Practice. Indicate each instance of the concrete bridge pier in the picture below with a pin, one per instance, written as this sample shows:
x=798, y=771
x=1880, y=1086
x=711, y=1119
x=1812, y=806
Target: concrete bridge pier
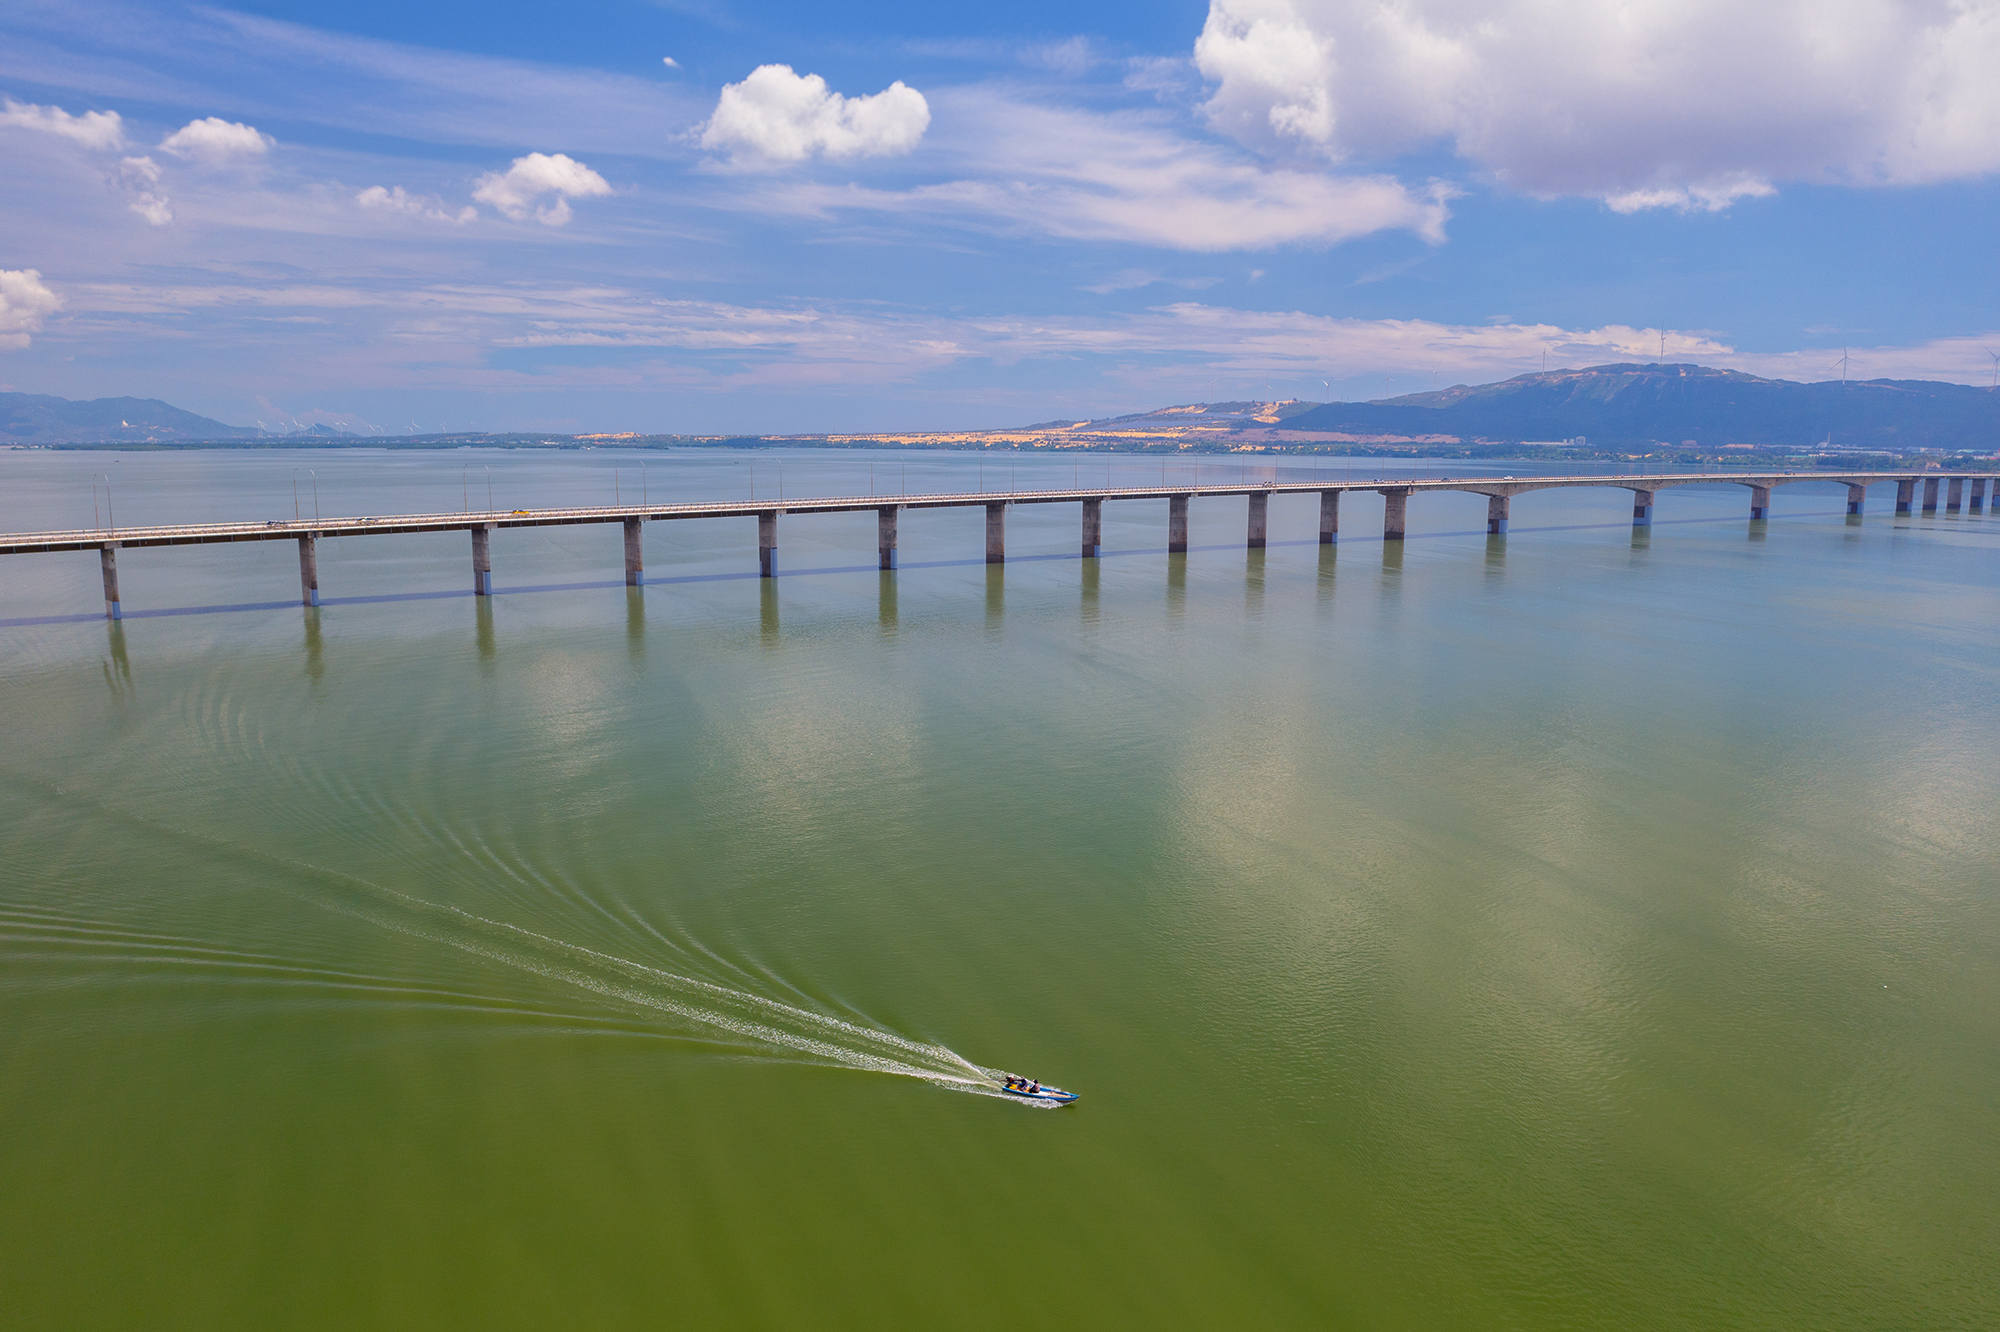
x=1329, y=517
x=996, y=532
x=1857, y=498
x=1260, y=516
x=885, y=535
x=1930, y=494
x=1978, y=499
x=1496, y=514
x=635, y=557
x=767, y=544
x=1642, y=508
x=1905, y=492
x=482, y=561
x=1954, y=499
x=1395, y=508
x=1760, y=503
x=1177, y=507
x=309, y=569
x=1093, y=528
x=107, y=559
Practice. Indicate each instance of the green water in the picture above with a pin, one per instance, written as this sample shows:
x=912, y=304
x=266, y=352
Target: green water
x=1576, y=930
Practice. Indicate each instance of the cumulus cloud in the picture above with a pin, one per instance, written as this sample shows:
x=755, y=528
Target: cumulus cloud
x=515, y=190
x=92, y=129
x=777, y=115
x=213, y=139
x=400, y=200
x=140, y=178
x=25, y=301
x=1643, y=103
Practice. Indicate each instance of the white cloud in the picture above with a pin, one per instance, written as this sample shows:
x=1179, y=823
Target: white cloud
x=514, y=192
x=1644, y=103
x=1128, y=176
x=1711, y=197
x=92, y=129
x=400, y=200
x=25, y=301
x=140, y=178
x=670, y=62
x=779, y=116
x=213, y=139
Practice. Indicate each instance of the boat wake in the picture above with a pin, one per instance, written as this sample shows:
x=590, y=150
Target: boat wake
x=687, y=1007
x=758, y=1025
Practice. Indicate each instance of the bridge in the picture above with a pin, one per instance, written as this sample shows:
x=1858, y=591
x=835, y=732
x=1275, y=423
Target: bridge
x=1499, y=492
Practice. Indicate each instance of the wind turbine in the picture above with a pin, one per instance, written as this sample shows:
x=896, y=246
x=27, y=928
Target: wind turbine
x=1996, y=366
x=1843, y=366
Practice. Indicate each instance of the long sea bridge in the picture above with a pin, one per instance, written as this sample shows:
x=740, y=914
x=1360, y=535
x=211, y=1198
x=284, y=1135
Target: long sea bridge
x=1499, y=492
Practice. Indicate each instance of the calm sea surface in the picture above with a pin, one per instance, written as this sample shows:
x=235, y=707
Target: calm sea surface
x=1576, y=930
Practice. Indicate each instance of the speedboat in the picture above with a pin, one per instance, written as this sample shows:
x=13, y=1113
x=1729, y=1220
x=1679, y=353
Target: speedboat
x=1027, y=1089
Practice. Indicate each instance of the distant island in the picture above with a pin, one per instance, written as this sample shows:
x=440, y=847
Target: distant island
x=1679, y=413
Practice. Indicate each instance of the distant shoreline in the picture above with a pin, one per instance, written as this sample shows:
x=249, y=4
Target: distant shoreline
x=1263, y=444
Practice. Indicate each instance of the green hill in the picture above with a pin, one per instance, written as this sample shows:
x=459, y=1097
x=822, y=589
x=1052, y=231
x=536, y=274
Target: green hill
x=1620, y=405
x=36, y=418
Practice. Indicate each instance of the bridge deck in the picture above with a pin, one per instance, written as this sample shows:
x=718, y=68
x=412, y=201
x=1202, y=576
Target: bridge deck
x=203, y=533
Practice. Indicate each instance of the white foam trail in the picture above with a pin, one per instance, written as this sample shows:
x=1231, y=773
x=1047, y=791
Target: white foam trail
x=765, y=1024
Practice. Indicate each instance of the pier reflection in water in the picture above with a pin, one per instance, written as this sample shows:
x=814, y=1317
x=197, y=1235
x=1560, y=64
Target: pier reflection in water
x=885, y=602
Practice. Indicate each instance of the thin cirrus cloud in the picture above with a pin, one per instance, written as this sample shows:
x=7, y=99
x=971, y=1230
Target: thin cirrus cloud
x=517, y=191
x=1640, y=103
x=25, y=302
x=247, y=67
x=777, y=115
x=92, y=129
x=713, y=346
x=1133, y=279
x=1131, y=176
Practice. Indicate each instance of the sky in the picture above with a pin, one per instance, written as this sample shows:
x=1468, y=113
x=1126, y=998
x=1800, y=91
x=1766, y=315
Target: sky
x=722, y=216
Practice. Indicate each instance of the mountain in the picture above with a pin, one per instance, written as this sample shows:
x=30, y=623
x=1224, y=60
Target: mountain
x=35, y=418
x=1615, y=405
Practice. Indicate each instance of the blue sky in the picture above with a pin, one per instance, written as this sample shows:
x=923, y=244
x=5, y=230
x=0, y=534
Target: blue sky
x=902, y=216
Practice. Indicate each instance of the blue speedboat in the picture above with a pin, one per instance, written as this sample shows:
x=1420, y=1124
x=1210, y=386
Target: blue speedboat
x=1028, y=1089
